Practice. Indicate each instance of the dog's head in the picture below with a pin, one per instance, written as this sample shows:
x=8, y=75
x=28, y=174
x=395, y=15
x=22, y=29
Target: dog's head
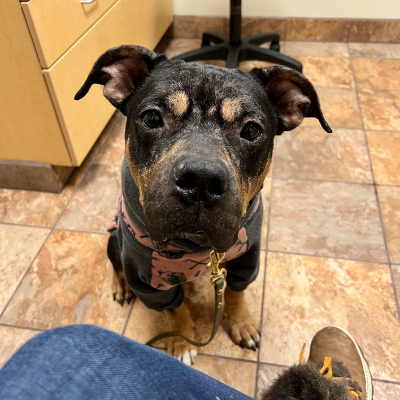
x=199, y=138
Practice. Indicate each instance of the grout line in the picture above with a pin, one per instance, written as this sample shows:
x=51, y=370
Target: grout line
x=386, y=381
x=26, y=272
x=288, y=178
x=376, y=194
x=25, y=225
x=330, y=257
x=265, y=276
x=56, y=221
x=22, y=327
x=108, y=164
x=86, y=172
x=227, y=358
x=275, y=364
x=81, y=231
x=128, y=316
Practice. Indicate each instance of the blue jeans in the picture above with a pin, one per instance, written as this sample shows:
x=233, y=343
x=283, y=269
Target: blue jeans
x=86, y=362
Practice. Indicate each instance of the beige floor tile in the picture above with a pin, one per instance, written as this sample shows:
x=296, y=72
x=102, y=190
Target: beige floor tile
x=69, y=283
x=237, y=374
x=331, y=219
x=386, y=391
x=11, y=339
x=384, y=148
x=377, y=74
x=316, y=49
x=340, y=108
x=328, y=72
x=396, y=278
x=113, y=150
x=376, y=51
x=143, y=323
x=18, y=248
x=94, y=202
x=103, y=136
x=310, y=152
x=380, y=109
x=266, y=193
x=266, y=375
x=37, y=208
x=304, y=294
x=389, y=200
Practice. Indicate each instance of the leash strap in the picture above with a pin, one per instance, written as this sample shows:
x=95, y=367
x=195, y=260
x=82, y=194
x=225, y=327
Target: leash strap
x=218, y=280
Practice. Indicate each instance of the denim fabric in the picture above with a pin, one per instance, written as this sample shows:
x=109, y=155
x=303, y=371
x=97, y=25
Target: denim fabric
x=86, y=362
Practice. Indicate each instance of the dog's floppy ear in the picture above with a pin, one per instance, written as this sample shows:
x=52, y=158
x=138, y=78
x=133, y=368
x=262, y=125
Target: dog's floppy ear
x=120, y=69
x=292, y=94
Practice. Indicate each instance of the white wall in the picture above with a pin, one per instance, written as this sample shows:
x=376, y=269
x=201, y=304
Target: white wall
x=374, y=9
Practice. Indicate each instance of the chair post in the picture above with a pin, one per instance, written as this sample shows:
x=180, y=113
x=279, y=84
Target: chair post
x=235, y=19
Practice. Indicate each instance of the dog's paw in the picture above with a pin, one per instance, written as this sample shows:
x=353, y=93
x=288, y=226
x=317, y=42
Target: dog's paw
x=244, y=331
x=182, y=351
x=122, y=292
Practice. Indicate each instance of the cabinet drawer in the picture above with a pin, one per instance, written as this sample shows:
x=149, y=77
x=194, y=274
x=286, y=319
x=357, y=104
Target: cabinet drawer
x=56, y=25
x=127, y=22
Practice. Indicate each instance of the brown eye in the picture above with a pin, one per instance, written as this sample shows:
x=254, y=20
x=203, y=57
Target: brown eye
x=152, y=119
x=251, y=131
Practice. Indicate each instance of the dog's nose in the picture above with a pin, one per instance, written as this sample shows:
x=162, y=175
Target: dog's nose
x=200, y=180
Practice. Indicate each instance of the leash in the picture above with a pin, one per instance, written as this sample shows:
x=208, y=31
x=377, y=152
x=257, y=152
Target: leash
x=217, y=279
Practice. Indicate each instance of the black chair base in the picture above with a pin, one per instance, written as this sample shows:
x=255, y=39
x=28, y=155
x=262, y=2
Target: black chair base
x=247, y=49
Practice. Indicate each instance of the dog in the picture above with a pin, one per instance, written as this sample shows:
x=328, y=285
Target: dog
x=198, y=146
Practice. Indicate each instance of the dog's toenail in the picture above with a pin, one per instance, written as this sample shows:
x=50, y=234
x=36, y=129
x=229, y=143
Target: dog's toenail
x=241, y=344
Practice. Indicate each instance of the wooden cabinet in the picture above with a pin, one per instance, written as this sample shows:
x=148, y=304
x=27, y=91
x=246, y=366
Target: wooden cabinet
x=46, y=51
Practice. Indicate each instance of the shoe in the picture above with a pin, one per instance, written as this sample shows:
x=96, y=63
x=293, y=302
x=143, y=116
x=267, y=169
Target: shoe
x=338, y=344
x=335, y=370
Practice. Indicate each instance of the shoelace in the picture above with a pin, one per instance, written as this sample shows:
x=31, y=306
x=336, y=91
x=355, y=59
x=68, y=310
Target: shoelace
x=326, y=372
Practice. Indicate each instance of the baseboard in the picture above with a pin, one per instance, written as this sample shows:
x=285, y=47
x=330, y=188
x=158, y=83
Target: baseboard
x=294, y=29
x=33, y=176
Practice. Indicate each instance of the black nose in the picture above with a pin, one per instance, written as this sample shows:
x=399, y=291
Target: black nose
x=200, y=180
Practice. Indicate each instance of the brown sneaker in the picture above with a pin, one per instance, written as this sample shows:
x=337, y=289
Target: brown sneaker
x=335, y=370
x=338, y=344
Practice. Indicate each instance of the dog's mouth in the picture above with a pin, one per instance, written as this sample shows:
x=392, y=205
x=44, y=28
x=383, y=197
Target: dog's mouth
x=191, y=232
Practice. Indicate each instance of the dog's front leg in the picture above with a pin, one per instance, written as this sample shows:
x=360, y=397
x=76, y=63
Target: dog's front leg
x=179, y=320
x=244, y=330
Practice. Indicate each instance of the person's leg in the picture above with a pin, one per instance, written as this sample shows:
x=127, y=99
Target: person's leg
x=87, y=362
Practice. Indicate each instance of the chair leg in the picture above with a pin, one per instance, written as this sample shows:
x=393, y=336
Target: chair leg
x=217, y=52
x=262, y=38
x=213, y=37
x=233, y=58
x=257, y=53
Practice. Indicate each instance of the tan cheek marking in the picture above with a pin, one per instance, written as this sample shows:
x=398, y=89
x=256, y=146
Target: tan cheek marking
x=150, y=175
x=134, y=171
x=144, y=177
x=178, y=102
x=248, y=188
x=230, y=109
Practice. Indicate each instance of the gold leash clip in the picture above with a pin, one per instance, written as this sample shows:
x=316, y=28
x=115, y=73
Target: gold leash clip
x=216, y=258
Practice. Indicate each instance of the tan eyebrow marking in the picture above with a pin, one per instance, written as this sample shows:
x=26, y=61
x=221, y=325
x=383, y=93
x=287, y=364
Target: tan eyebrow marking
x=230, y=109
x=178, y=102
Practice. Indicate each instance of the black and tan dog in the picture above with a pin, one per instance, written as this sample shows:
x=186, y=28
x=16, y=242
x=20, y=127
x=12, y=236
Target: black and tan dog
x=199, y=142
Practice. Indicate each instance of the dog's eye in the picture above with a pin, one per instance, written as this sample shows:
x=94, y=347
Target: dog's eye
x=152, y=119
x=251, y=131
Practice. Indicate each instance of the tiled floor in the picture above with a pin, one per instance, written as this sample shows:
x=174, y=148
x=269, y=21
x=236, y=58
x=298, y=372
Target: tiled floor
x=331, y=234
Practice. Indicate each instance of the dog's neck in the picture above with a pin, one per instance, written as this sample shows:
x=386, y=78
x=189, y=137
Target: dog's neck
x=134, y=209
